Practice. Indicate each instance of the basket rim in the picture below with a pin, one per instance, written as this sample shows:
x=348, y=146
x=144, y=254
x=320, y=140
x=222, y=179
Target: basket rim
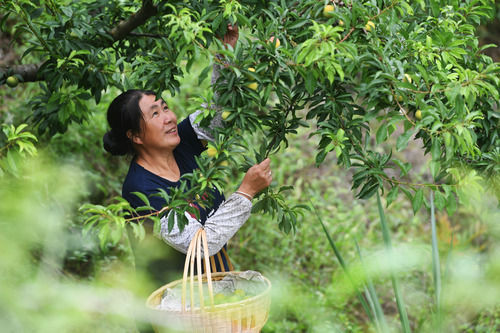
x=151, y=305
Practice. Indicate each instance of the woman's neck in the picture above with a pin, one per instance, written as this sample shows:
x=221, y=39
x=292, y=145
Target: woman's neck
x=163, y=165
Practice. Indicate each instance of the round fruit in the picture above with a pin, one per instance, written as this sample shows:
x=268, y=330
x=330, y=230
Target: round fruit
x=224, y=163
x=253, y=85
x=418, y=114
x=277, y=43
x=211, y=151
x=12, y=81
x=328, y=10
x=225, y=114
x=239, y=292
x=407, y=78
x=369, y=26
x=341, y=23
x=219, y=299
x=233, y=299
x=400, y=98
x=251, y=69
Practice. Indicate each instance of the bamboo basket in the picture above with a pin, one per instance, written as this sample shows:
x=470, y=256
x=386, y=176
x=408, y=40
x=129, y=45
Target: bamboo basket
x=247, y=315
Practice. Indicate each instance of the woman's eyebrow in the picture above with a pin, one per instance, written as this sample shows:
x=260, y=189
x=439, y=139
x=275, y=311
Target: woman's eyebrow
x=155, y=106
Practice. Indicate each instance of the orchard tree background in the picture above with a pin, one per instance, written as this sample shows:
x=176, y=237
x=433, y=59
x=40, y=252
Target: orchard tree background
x=401, y=94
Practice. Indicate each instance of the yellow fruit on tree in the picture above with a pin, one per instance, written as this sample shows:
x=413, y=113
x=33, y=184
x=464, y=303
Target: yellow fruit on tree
x=369, y=26
x=251, y=69
x=407, y=78
x=277, y=43
x=418, y=114
x=400, y=98
x=211, y=151
x=328, y=10
x=225, y=114
x=253, y=85
x=341, y=23
x=224, y=163
x=12, y=81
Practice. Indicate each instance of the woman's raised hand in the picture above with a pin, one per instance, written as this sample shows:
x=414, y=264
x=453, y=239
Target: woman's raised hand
x=257, y=178
x=232, y=35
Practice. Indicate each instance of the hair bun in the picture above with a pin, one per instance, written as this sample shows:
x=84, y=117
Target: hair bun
x=114, y=146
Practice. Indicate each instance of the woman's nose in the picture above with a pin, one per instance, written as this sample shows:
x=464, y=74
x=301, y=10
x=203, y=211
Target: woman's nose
x=169, y=117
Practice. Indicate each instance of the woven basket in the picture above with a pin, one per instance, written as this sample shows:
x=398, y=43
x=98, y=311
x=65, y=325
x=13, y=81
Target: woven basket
x=248, y=315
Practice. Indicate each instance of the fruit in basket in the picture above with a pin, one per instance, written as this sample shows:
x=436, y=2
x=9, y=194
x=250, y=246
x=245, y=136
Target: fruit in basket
x=240, y=293
x=220, y=298
x=233, y=299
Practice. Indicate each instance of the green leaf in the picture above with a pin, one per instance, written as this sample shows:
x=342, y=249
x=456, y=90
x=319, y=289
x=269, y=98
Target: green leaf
x=392, y=195
x=440, y=200
x=381, y=133
x=435, y=167
x=451, y=203
x=310, y=82
x=403, y=139
x=436, y=149
x=417, y=201
x=143, y=197
x=171, y=221
x=320, y=157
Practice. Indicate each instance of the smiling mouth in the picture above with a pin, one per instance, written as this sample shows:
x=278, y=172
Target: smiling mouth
x=173, y=130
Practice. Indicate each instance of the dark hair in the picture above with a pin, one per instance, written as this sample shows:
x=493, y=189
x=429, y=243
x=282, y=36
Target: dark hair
x=124, y=114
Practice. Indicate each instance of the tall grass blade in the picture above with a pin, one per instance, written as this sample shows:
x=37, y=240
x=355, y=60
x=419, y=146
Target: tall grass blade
x=436, y=270
x=405, y=324
x=344, y=266
x=372, y=297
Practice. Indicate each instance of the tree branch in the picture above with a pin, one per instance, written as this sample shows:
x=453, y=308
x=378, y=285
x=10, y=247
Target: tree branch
x=29, y=72
x=126, y=26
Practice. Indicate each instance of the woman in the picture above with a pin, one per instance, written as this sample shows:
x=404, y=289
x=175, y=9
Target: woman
x=143, y=125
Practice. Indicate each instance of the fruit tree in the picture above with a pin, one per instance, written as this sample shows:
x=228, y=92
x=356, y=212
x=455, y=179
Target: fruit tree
x=358, y=73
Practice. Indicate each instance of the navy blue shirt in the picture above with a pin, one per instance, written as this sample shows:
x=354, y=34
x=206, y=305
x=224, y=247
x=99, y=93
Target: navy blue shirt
x=141, y=180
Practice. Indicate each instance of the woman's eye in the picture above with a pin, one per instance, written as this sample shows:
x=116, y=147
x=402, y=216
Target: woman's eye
x=165, y=109
x=155, y=113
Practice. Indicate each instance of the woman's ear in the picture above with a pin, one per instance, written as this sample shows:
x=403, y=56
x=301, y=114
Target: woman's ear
x=134, y=137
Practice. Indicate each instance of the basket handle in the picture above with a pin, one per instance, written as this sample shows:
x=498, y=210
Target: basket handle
x=194, y=251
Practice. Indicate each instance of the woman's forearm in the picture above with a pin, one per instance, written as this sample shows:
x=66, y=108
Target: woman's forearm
x=206, y=133
x=220, y=227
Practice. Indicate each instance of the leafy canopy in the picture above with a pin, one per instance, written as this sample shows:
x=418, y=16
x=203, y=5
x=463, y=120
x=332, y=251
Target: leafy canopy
x=415, y=72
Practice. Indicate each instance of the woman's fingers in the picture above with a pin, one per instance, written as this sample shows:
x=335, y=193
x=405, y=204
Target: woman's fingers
x=266, y=167
x=265, y=163
x=257, y=178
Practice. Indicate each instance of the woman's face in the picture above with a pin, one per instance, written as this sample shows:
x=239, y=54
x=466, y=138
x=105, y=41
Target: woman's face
x=159, y=130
